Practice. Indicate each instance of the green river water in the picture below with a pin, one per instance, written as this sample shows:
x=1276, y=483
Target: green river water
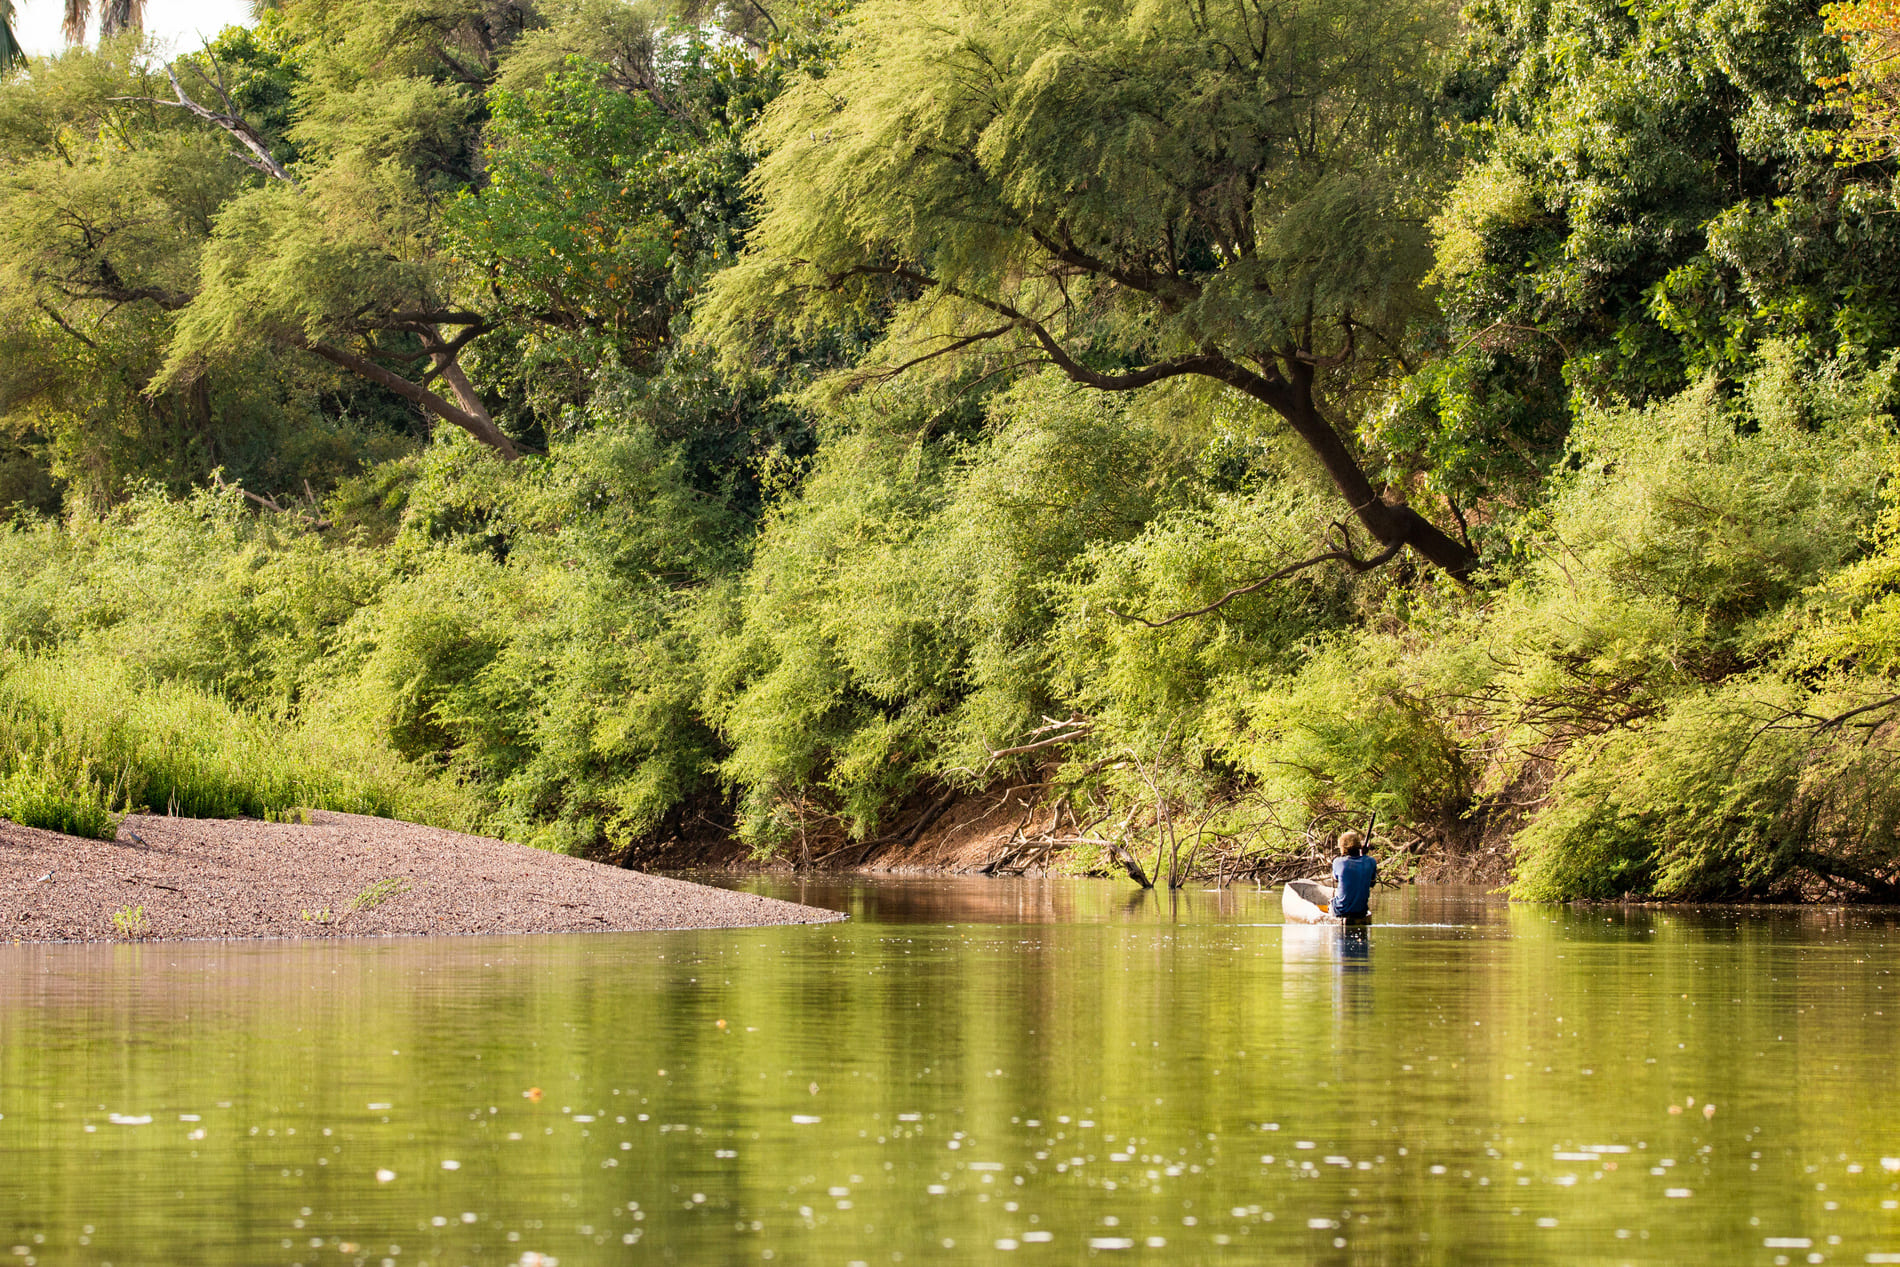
x=970, y=1071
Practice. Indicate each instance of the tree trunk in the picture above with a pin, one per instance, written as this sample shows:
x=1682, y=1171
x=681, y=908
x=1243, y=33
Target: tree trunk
x=1389, y=523
x=200, y=396
x=465, y=394
x=479, y=425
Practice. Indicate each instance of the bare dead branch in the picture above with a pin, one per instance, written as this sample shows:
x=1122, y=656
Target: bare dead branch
x=260, y=157
x=274, y=506
x=1040, y=744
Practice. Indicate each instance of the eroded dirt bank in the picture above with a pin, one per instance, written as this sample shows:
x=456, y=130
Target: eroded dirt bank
x=339, y=875
x=1010, y=831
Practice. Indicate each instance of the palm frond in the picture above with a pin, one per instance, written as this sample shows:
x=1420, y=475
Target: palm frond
x=116, y=16
x=11, y=54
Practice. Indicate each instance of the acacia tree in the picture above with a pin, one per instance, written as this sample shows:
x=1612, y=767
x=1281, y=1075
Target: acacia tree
x=340, y=258
x=418, y=192
x=104, y=204
x=462, y=173
x=1131, y=192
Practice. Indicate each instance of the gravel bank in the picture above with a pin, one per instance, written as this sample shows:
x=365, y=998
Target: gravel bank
x=341, y=875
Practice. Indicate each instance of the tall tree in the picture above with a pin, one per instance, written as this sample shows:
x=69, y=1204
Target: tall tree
x=105, y=204
x=1131, y=192
x=339, y=258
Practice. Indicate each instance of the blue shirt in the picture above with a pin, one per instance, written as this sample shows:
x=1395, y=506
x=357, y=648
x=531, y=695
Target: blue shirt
x=1352, y=884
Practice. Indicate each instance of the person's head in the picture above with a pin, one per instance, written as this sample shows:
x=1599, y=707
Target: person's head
x=1351, y=843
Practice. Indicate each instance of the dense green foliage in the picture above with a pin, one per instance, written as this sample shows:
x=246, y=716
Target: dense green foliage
x=1132, y=194
x=1226, y=426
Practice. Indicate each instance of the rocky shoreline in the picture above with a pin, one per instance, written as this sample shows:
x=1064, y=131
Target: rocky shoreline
x=337, y=875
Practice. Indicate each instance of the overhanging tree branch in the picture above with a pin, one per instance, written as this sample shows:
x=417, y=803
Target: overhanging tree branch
x=1287, y=388
x=1198, y=363
x=444, y=318
x=1343, y=554
x=955, y=345
x=479, y=426
x=1139, y=165
x=468, y=413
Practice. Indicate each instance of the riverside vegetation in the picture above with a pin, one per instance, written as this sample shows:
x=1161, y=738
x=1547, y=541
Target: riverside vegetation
x=594, y=422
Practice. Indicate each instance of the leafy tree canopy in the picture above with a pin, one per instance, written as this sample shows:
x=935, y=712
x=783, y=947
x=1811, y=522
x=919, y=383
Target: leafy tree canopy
x=1653, y=200
x=105, y=203
x=1131, y=192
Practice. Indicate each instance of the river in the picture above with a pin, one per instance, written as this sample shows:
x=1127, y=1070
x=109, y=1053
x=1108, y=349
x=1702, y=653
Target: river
x=966, y=1071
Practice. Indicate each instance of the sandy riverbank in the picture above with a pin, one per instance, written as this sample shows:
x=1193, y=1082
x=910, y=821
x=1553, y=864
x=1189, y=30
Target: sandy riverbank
x=340, y=875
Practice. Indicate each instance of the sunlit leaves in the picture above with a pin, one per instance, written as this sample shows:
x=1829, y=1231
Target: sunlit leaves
x=567, y=233
x=1870, y=89
x=1151, y=178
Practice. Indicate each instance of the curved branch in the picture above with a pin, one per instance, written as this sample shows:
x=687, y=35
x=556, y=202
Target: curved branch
x=1286, y=386
x=1203, y=363
x=1818, y=723
x=482, y=429
x=956, y=345
x=62, y=323
x=1345, y=556
x=1506, y=325
x=1170, y=292
x=445, y=318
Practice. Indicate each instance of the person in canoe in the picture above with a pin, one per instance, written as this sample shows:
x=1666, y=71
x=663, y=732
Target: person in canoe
x=1353, y=874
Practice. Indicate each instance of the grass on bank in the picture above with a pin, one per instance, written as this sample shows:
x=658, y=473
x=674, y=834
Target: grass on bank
x=84, y=740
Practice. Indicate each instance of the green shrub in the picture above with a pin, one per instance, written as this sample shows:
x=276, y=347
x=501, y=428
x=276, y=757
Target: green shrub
x=1733, y=793
x=894, y=622
x=1355, y=729
x=36, y=793
x=489, y=645
x=74, y=721
x=1664, y=622
x=579, y=649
